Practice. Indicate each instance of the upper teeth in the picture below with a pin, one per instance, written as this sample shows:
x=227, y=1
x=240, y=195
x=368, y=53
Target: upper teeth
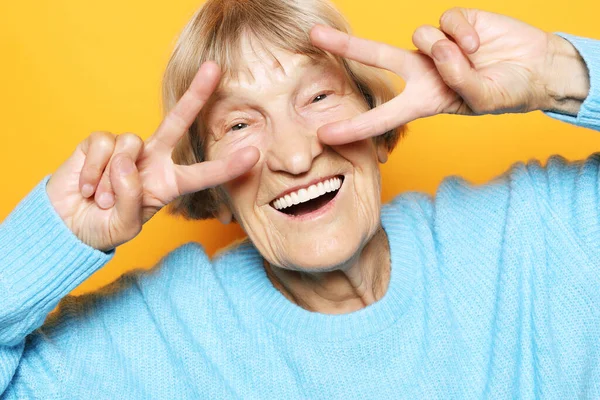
x=312, y=192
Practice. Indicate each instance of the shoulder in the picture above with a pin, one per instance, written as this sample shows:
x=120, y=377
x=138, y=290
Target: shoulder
x=186, y=264
x=462, y=204
x=189, y=266
x=412, y=205
x=189, y=257
x=524, y=192
x=177, y=265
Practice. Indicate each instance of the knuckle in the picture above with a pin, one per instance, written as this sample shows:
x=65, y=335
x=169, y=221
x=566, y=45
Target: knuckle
x=447, y=16
x=416, y=35
x=422, y=33
x=389, y=55
x=91, y=140
x=444, y=18
x=101, y=134
x=347, y=44
x=418, y=32
x=130, y=139
x=422, y=29
x=104, y=143
x=363, y=130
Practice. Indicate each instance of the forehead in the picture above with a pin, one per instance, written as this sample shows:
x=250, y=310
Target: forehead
x=258, y=63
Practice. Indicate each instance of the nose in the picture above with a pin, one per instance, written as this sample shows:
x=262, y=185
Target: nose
x=293, y=146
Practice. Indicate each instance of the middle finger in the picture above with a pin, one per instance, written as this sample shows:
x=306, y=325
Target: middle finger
x=376, y=54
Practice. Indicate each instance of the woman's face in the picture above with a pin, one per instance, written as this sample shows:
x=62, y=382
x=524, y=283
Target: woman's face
x=277, y=106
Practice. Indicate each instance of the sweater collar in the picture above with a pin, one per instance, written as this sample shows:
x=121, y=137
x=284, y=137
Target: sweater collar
x=259, y=296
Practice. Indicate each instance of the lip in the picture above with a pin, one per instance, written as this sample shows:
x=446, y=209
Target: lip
x=317, y=213
x=305, y=186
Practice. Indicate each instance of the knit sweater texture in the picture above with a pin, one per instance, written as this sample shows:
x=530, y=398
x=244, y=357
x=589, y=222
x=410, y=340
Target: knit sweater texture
x=494, y=293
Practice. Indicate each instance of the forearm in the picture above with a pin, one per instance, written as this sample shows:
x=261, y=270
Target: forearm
x=41, y=261
x=568, y=80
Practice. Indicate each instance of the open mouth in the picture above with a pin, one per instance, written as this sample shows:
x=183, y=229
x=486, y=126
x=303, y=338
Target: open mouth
x=305, y=201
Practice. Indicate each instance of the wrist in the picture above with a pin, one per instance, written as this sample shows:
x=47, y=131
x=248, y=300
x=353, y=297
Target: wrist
x=567, y=81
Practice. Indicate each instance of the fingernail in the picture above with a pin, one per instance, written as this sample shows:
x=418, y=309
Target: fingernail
x=106, y=200
x=125, y=166
x=441, y=53
x=87, y=190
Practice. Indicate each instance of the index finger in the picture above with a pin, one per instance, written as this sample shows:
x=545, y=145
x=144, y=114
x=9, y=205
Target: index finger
x=375, y=54
x=203, y=175
x=377, y=121
x=183, y=114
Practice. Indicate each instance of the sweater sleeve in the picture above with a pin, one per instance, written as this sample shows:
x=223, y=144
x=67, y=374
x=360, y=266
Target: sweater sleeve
x=589, y=113
x=41, y=261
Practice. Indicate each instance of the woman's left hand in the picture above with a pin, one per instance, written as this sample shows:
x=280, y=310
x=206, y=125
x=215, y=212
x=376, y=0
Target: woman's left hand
x=475, y=63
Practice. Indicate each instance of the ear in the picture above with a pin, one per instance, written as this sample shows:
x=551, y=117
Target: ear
x=224, y=214
x=382, y=153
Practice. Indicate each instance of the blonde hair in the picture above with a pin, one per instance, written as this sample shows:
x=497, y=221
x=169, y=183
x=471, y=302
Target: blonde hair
x=215, y=32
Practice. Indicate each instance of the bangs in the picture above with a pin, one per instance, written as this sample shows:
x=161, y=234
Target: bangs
x=264, y=29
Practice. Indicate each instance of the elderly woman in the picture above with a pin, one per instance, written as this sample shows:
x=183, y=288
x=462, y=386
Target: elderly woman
x=280, y=122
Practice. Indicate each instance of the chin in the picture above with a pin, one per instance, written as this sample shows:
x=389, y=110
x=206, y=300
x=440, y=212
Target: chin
x=322, y=253
x=325, y=233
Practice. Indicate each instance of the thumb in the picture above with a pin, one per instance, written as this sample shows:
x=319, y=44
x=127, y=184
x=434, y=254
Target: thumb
x=127, y=185
x=456, y=71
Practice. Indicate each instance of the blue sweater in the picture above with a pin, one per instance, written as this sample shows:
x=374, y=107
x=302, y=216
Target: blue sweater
x=494, y=293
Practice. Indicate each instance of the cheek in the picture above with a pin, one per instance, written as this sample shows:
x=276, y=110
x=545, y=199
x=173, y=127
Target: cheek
x=366, y=176
x=229, y=145
x=361, y=154
x=243, y=194
x=242, y=190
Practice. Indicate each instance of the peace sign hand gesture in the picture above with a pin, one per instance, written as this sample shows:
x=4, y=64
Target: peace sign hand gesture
x=132, y=179
x=475, y=63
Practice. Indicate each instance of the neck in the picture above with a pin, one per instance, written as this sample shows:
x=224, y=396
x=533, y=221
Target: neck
x=361, y=281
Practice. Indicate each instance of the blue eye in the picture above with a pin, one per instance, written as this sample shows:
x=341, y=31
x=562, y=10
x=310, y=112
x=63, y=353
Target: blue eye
x=239, y=126
x=319, y=98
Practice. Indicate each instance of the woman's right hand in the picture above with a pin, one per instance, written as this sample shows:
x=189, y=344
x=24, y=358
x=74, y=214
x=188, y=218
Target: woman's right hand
x=111, y=185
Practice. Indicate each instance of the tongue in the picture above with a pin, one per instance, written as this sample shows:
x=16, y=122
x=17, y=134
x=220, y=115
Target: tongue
x=310, y=206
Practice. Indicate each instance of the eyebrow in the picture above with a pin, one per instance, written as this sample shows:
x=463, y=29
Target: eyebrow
x=220, y=93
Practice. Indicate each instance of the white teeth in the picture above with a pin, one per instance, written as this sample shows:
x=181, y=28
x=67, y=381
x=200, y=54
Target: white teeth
x=295, y=198
x=304, y=195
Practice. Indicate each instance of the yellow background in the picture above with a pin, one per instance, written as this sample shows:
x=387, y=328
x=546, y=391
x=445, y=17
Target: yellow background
x=70, y=67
